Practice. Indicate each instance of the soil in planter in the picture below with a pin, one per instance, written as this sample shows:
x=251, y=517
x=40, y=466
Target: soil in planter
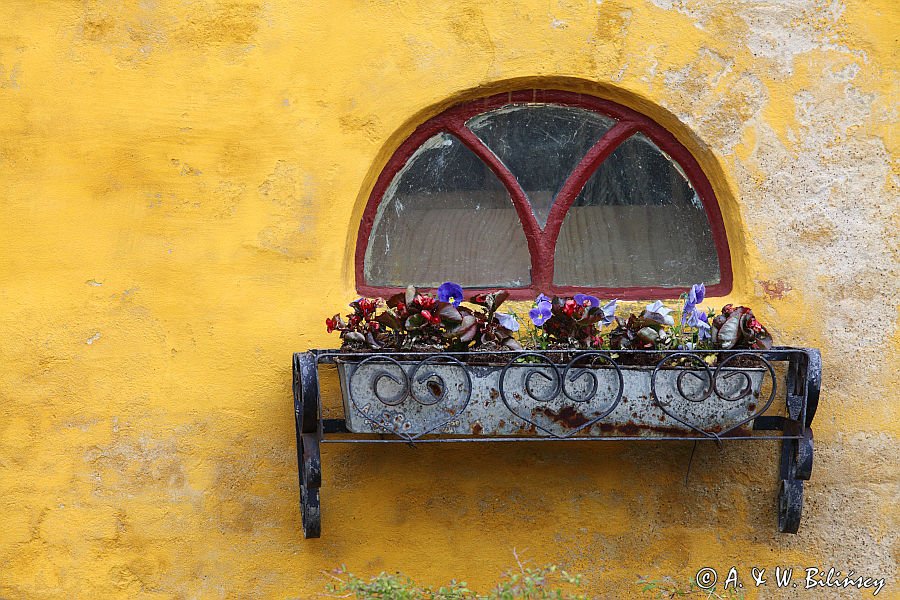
x=496, y=354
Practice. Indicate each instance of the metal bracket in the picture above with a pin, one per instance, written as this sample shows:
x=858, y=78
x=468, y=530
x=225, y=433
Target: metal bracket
x=803, y=382
x=307, y=417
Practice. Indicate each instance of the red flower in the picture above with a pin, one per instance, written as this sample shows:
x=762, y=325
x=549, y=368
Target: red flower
x=331, y=324
x=569, y=307
x=433, y=319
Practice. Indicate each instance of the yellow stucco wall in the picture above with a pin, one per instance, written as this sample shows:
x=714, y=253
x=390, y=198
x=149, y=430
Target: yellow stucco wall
x=181, y=187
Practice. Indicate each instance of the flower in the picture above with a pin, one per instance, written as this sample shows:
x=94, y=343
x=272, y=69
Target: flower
x=424, y=301
x=540, y=314
x=585, y=300
x=697, y=294
x=542, y=298
x=433, y=319
x=569, y=307
x=659, y=313
x=699, y=320
x=507, y=321
x=703, y=328
x=609, y=311
x=450, y=292
x=694, y=297
x=332, y=324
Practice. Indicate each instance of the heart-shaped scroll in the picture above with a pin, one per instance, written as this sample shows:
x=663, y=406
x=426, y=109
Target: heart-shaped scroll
x=561, y=404
x=410, y=399
x=690, y=379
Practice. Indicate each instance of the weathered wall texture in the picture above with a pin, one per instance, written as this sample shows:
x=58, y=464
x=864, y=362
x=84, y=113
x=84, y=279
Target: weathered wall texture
x=181, y=186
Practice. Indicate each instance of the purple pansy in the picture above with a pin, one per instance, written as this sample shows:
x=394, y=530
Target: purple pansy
x=699, y=320
x=541, y=313
x=507, y=321
x=450, y=292
x=609, y=312
x=697, y=294
x=703, y=329
x=585, y=300
x=694, y=297
x=542, y=298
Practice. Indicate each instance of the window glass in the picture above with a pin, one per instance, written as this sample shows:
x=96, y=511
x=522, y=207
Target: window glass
x=637, y=222
x=540, y=144
x=645, y=224
x=446, y=216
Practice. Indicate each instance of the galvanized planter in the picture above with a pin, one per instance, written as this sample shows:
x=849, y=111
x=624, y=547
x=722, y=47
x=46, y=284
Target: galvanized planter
x=590, y=396
x=569, y=396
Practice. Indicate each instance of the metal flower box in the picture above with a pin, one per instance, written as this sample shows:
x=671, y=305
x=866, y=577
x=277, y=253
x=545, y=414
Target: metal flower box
x=563, y=395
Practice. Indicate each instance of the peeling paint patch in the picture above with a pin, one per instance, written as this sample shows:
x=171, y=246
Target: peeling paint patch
x=9, y=80
x=94, y=283
x=185, y=169
x=92, y=339
x=775, y=290
x=291, y=196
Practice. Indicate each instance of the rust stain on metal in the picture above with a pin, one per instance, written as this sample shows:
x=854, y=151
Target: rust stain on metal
x=567, y=416
x=435, y=388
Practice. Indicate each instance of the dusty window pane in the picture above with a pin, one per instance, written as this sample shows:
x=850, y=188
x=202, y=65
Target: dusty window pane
x=540, y=144
x=444, y=217
x=637, y=222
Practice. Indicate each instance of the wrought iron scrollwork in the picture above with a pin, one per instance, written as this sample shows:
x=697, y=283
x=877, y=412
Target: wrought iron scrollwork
x=727, y=383
x=551, y=399
x=532, y=366
x=435, y=401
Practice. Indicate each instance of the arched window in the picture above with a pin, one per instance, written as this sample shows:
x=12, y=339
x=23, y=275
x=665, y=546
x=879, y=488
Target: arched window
x=543, y=191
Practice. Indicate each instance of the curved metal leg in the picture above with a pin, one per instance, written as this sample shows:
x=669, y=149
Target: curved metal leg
x=804, y=465
x=796, y=466
x=308, y=424
x=790, y=505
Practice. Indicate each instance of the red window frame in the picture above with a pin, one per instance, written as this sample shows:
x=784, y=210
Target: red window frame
x=542, y=243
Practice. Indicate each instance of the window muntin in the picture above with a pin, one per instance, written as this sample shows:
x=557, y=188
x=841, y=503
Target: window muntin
x=540, y=144
x=705, y=258
x=644, y=221
x=446, y=207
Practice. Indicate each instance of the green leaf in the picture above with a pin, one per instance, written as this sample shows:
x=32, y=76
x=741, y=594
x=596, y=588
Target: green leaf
x=415, y=321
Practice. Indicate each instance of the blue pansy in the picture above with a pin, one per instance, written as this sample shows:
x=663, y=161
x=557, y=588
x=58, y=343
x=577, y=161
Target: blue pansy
x=585, y=300
x=541, y=313
x=450, y=292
